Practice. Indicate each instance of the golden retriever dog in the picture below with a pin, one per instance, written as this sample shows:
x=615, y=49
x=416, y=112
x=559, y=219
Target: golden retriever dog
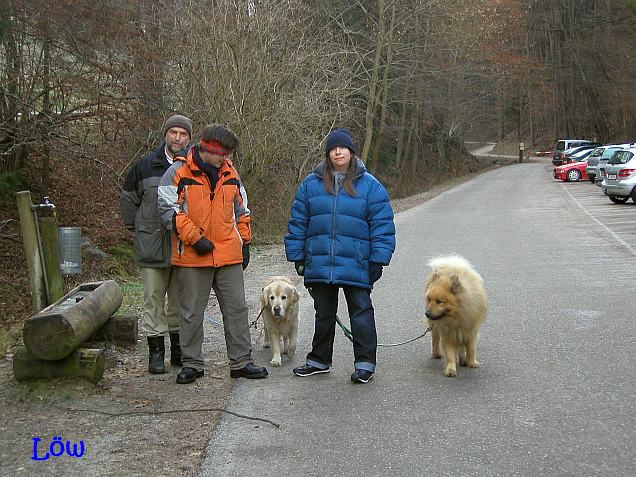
x=456, y=306
x=279, y=301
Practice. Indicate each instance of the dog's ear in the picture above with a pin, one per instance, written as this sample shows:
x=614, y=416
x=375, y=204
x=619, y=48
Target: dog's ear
x=456, y=285
x=264, y=298
x=295, y=295
x=431, y=276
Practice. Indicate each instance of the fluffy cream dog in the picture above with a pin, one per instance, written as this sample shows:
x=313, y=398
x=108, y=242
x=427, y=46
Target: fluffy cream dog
x=279, y=300
x=456, y=306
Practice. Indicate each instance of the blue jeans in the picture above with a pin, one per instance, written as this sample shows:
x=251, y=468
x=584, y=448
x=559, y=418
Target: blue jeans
x=361, y=316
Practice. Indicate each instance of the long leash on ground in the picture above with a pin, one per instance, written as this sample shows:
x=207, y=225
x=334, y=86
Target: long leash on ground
x=347, y=332
x=253, y=324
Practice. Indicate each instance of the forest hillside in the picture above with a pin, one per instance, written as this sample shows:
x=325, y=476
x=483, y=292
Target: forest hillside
x=84, y=92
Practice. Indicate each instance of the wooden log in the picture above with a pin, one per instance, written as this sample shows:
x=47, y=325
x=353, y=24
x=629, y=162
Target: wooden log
x=83, y=363
x=48, y=237
x=62, y=327
x=119, y=329
x=28, y=227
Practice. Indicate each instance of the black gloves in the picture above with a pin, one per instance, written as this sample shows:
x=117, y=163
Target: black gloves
x=375, y=272
x=246, y=255
x=300, y=268
x=203, y=246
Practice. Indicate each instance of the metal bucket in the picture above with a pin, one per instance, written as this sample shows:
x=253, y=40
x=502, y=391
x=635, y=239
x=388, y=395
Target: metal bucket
x=68, y=242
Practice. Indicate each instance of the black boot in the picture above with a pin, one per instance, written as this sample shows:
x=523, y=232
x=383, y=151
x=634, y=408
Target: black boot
x=157, y=349
x=175, y=350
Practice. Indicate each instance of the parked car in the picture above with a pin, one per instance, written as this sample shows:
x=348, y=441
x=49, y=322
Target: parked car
x=620, y=176
x=563, y=144
x=573, y=172
x=577, y=154
x=598, y=158
x=565, y=156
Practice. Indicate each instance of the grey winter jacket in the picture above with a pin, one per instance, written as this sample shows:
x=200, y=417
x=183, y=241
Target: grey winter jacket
x=139, y=211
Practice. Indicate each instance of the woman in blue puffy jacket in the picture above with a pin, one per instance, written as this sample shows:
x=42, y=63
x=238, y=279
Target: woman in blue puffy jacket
x=340, y=235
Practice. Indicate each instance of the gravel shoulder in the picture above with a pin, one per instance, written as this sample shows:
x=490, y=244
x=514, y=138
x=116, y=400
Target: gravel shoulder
x=133, y=423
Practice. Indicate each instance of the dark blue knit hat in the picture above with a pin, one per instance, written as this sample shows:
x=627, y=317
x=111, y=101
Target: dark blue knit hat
x=340, y=137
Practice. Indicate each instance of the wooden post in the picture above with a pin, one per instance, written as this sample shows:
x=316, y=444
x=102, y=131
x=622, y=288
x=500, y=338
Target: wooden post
x=32, y=250
x=119, y=329
x=48, y=237
x=62, y=327
x=83, y=363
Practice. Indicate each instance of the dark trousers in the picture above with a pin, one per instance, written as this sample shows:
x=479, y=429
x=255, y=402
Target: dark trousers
x=362, y=320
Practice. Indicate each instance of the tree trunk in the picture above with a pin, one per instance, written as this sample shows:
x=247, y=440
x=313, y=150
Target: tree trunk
x=402, y=128
x=62, y=327
x=384, y=101
x=46, y=120
x=371, y=101
x=501, y=112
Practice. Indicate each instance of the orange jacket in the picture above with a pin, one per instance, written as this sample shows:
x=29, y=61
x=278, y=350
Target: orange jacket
x=191, y=210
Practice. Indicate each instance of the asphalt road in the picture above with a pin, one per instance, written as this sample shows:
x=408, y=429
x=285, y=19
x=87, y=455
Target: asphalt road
x=556, y=390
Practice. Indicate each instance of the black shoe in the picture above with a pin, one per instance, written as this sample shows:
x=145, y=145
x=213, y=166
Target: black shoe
x=250, y=371
x=157, y=351
x=309, y=370
x=189, y=375
x=361, y=376
x=175, y=350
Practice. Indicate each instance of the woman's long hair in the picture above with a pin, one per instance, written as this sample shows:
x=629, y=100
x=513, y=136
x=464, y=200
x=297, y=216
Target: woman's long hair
x=329, y=173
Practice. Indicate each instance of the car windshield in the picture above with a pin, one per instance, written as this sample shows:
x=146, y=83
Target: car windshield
x=621, y=157
x=597, y=152
x=609, y=152
x=560, y=145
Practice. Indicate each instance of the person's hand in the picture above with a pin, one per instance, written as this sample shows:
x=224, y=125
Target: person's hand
x=246, y=255
x=300, y=268
x=375, y=272
x=203, y=246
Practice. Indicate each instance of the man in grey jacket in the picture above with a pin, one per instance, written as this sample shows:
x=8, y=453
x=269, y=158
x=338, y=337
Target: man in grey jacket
x=138, y=204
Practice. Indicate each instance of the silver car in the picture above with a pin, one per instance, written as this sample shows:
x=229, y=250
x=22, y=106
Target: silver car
x=598, y=158
x=619, y=183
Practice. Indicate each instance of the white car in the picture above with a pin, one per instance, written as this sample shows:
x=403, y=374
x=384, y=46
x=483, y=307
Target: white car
x=564, y=144
x=619, y=183
x=598, y=159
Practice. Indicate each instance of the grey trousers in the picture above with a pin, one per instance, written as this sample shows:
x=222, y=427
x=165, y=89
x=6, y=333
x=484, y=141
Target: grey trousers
x=195, y=284
x=161, y=301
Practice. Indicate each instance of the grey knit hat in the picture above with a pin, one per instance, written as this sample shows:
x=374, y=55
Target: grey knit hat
x=177, y=121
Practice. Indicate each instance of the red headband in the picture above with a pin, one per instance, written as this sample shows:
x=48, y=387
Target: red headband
x=214, y=147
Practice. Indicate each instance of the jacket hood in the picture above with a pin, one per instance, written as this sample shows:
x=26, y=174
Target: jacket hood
x=360, y=168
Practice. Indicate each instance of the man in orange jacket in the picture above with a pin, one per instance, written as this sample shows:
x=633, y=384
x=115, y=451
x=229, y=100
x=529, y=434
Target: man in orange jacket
x=202, y=200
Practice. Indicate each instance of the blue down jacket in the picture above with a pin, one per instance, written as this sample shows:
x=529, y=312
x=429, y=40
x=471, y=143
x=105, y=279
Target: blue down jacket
x=336, y=236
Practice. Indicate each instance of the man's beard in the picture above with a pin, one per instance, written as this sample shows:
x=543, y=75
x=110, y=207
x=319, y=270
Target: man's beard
x=174, y=148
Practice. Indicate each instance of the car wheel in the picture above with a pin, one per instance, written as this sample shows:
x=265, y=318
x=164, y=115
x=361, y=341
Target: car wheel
x=618, y=199
x=634, y=195
x=573, y=175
